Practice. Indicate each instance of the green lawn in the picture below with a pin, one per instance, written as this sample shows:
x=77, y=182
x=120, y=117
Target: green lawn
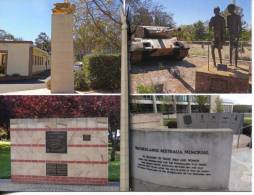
x=114, y=169
x=5, y=160
x=5, y=164
x=248, y=120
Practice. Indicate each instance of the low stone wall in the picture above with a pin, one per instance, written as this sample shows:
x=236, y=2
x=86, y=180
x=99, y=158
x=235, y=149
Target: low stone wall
x=181, y=158
x=59, y=151
x=233, y=121
x=214, y=83
x=146, y=120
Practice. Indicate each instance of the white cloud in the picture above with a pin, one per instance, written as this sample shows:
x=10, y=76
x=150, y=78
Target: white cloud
x=245, y=99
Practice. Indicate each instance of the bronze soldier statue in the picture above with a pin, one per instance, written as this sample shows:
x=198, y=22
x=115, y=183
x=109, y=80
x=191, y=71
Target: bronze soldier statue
x=234, y=27
x=218, y=25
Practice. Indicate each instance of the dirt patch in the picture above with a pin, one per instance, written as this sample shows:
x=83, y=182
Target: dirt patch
x=163, y=73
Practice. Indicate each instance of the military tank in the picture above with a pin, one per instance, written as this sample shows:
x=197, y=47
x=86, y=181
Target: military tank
x=157, y=42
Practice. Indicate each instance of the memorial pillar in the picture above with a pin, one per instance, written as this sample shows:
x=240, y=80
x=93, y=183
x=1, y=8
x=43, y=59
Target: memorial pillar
x=174, y=105
x=155, y=110
x=62, y=59
x=189, y=104
x=212, y=102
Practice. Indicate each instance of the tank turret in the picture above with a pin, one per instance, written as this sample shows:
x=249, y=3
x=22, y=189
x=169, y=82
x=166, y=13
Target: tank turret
x=155, y=32
x=157, y=41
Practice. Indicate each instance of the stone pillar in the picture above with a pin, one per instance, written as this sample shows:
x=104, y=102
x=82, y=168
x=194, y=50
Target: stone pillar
x=189, y=104
x=62, y=75
x=174, y=104
x=124, y=142
x=155, y=110
x=212, y=102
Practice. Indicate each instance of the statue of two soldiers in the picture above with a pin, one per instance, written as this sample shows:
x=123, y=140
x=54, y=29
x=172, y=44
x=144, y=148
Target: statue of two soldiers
x=218, y=25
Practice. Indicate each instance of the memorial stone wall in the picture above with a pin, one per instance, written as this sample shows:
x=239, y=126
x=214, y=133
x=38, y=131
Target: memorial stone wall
x=59, y=151
x=233, y=121
x=180, y=158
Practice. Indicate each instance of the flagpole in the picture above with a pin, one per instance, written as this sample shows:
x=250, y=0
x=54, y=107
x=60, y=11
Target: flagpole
x=124, y=139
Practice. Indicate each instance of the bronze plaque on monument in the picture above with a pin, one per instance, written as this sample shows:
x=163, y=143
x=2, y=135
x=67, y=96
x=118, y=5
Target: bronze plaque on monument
x=56, y=142
x=56, y=169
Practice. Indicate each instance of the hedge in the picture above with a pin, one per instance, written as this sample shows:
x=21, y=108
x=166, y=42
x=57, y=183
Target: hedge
x=103, y=71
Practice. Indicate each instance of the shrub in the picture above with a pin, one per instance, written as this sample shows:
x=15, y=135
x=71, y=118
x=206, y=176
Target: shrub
x=80, y=81
x=171, y=123
x=2, y=69
x=15, y=75
x=3, y=134
x=103, y=71
x=150, y=89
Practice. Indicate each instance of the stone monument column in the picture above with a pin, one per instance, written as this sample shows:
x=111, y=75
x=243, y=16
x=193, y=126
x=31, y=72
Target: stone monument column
x=174, y=104
x=189, y=104
x=62, y=75
x=155, y=110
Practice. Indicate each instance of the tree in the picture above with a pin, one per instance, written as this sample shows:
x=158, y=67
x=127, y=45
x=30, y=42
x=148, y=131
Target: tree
x=102, y=17
x=202, y=100
x=246, y=30
x=6, y=36
x=43, y=42
x=186, y=33
x=199, y=31
x=219, y=106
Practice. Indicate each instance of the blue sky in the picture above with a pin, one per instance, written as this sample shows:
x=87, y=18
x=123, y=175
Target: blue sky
x=190, y=11
x=27, y=18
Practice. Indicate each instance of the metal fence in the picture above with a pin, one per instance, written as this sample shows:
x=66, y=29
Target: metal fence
x=200, y=49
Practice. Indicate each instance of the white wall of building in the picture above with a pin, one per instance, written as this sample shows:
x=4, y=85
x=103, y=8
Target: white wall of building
x=40, y=66
x=18, y=57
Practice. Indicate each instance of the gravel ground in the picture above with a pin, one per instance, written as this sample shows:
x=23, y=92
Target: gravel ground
x=154, y=73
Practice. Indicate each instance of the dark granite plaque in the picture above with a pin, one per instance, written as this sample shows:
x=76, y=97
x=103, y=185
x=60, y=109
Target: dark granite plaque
x=86, y=137
x=56, y=142
x=56, y=169
x=187, y=120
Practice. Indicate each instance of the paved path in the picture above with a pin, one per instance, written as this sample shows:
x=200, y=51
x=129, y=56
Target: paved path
x=7, y=186
x=241, y=170
x=22, y=85
x=45, y=91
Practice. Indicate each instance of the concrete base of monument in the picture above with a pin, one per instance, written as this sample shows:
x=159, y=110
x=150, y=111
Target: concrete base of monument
x=214, y=81
x=143, y=186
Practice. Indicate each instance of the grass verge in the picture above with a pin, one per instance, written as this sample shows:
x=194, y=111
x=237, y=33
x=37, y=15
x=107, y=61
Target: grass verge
x=5, y=160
